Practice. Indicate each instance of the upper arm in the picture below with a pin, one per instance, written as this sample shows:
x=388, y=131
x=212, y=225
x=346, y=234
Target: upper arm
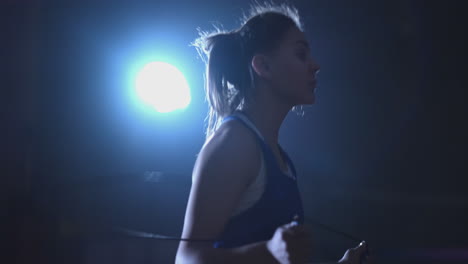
x=224, y=168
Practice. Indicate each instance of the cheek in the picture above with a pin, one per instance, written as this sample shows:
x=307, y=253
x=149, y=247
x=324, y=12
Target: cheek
x=291, y=87
x=295, y=73
x=296, y=87
x=291, y=79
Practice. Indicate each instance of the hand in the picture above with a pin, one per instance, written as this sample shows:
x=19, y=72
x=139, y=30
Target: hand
x=358, y=255
x=290, y=244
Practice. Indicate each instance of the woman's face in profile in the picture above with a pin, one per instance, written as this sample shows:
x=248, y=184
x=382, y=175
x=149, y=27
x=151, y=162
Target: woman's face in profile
x=294, y=69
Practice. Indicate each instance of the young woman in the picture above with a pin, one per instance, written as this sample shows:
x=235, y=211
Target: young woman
x=244, y=194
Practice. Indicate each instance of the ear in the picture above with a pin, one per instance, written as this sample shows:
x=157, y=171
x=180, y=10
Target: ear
x=261, y=64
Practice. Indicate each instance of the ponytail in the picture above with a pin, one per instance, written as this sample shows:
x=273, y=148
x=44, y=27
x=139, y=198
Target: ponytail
x=227, y=75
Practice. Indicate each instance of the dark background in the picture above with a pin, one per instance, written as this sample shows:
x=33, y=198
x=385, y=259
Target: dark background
x=381, y=155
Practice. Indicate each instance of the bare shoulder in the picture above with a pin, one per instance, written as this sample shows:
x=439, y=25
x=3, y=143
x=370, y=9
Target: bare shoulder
x=225, y=166
x=233, y=147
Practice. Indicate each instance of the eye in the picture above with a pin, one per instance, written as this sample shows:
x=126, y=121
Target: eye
x=302, y=55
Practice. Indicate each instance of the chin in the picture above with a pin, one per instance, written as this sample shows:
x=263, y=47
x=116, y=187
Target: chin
x=307, y=99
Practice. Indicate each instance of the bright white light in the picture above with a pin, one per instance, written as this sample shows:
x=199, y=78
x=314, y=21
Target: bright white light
x=163, y=86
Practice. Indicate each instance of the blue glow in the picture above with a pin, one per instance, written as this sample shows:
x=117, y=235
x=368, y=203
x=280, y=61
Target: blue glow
x=163, y=87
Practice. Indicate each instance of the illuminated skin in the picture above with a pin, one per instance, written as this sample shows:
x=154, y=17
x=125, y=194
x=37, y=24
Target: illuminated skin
x=230, y=159
x=286, y=79
x=293, y=70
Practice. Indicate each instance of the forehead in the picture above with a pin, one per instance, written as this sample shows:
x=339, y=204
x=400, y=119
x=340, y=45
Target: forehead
x=294, y=37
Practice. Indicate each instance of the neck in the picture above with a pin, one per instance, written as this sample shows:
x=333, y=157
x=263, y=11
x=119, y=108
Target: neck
x=267, y=115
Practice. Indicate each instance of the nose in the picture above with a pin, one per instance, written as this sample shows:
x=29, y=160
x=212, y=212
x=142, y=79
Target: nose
x=314, y=68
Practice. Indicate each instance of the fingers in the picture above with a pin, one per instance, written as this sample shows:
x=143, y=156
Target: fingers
x=365, y=253
x=298, y=239
x=294, y=222
x=359, y=254
x=298, y=231
x=361, y=248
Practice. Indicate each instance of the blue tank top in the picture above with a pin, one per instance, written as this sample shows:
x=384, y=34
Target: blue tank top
x=277, y=206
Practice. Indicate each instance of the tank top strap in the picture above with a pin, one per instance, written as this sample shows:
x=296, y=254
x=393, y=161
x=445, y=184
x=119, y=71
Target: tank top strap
x=246, y=121
x=291, y=168
x=291, y=171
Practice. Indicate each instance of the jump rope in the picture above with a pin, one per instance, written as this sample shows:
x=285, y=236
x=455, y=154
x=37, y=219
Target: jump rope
x=141, y=234
x=148, y=235
x=421, y=254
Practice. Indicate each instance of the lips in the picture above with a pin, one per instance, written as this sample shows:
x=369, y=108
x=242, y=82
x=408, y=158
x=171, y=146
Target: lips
x=313, y=83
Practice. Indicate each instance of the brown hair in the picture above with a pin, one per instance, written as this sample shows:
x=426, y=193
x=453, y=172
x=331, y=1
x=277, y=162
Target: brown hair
x=229, y=77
